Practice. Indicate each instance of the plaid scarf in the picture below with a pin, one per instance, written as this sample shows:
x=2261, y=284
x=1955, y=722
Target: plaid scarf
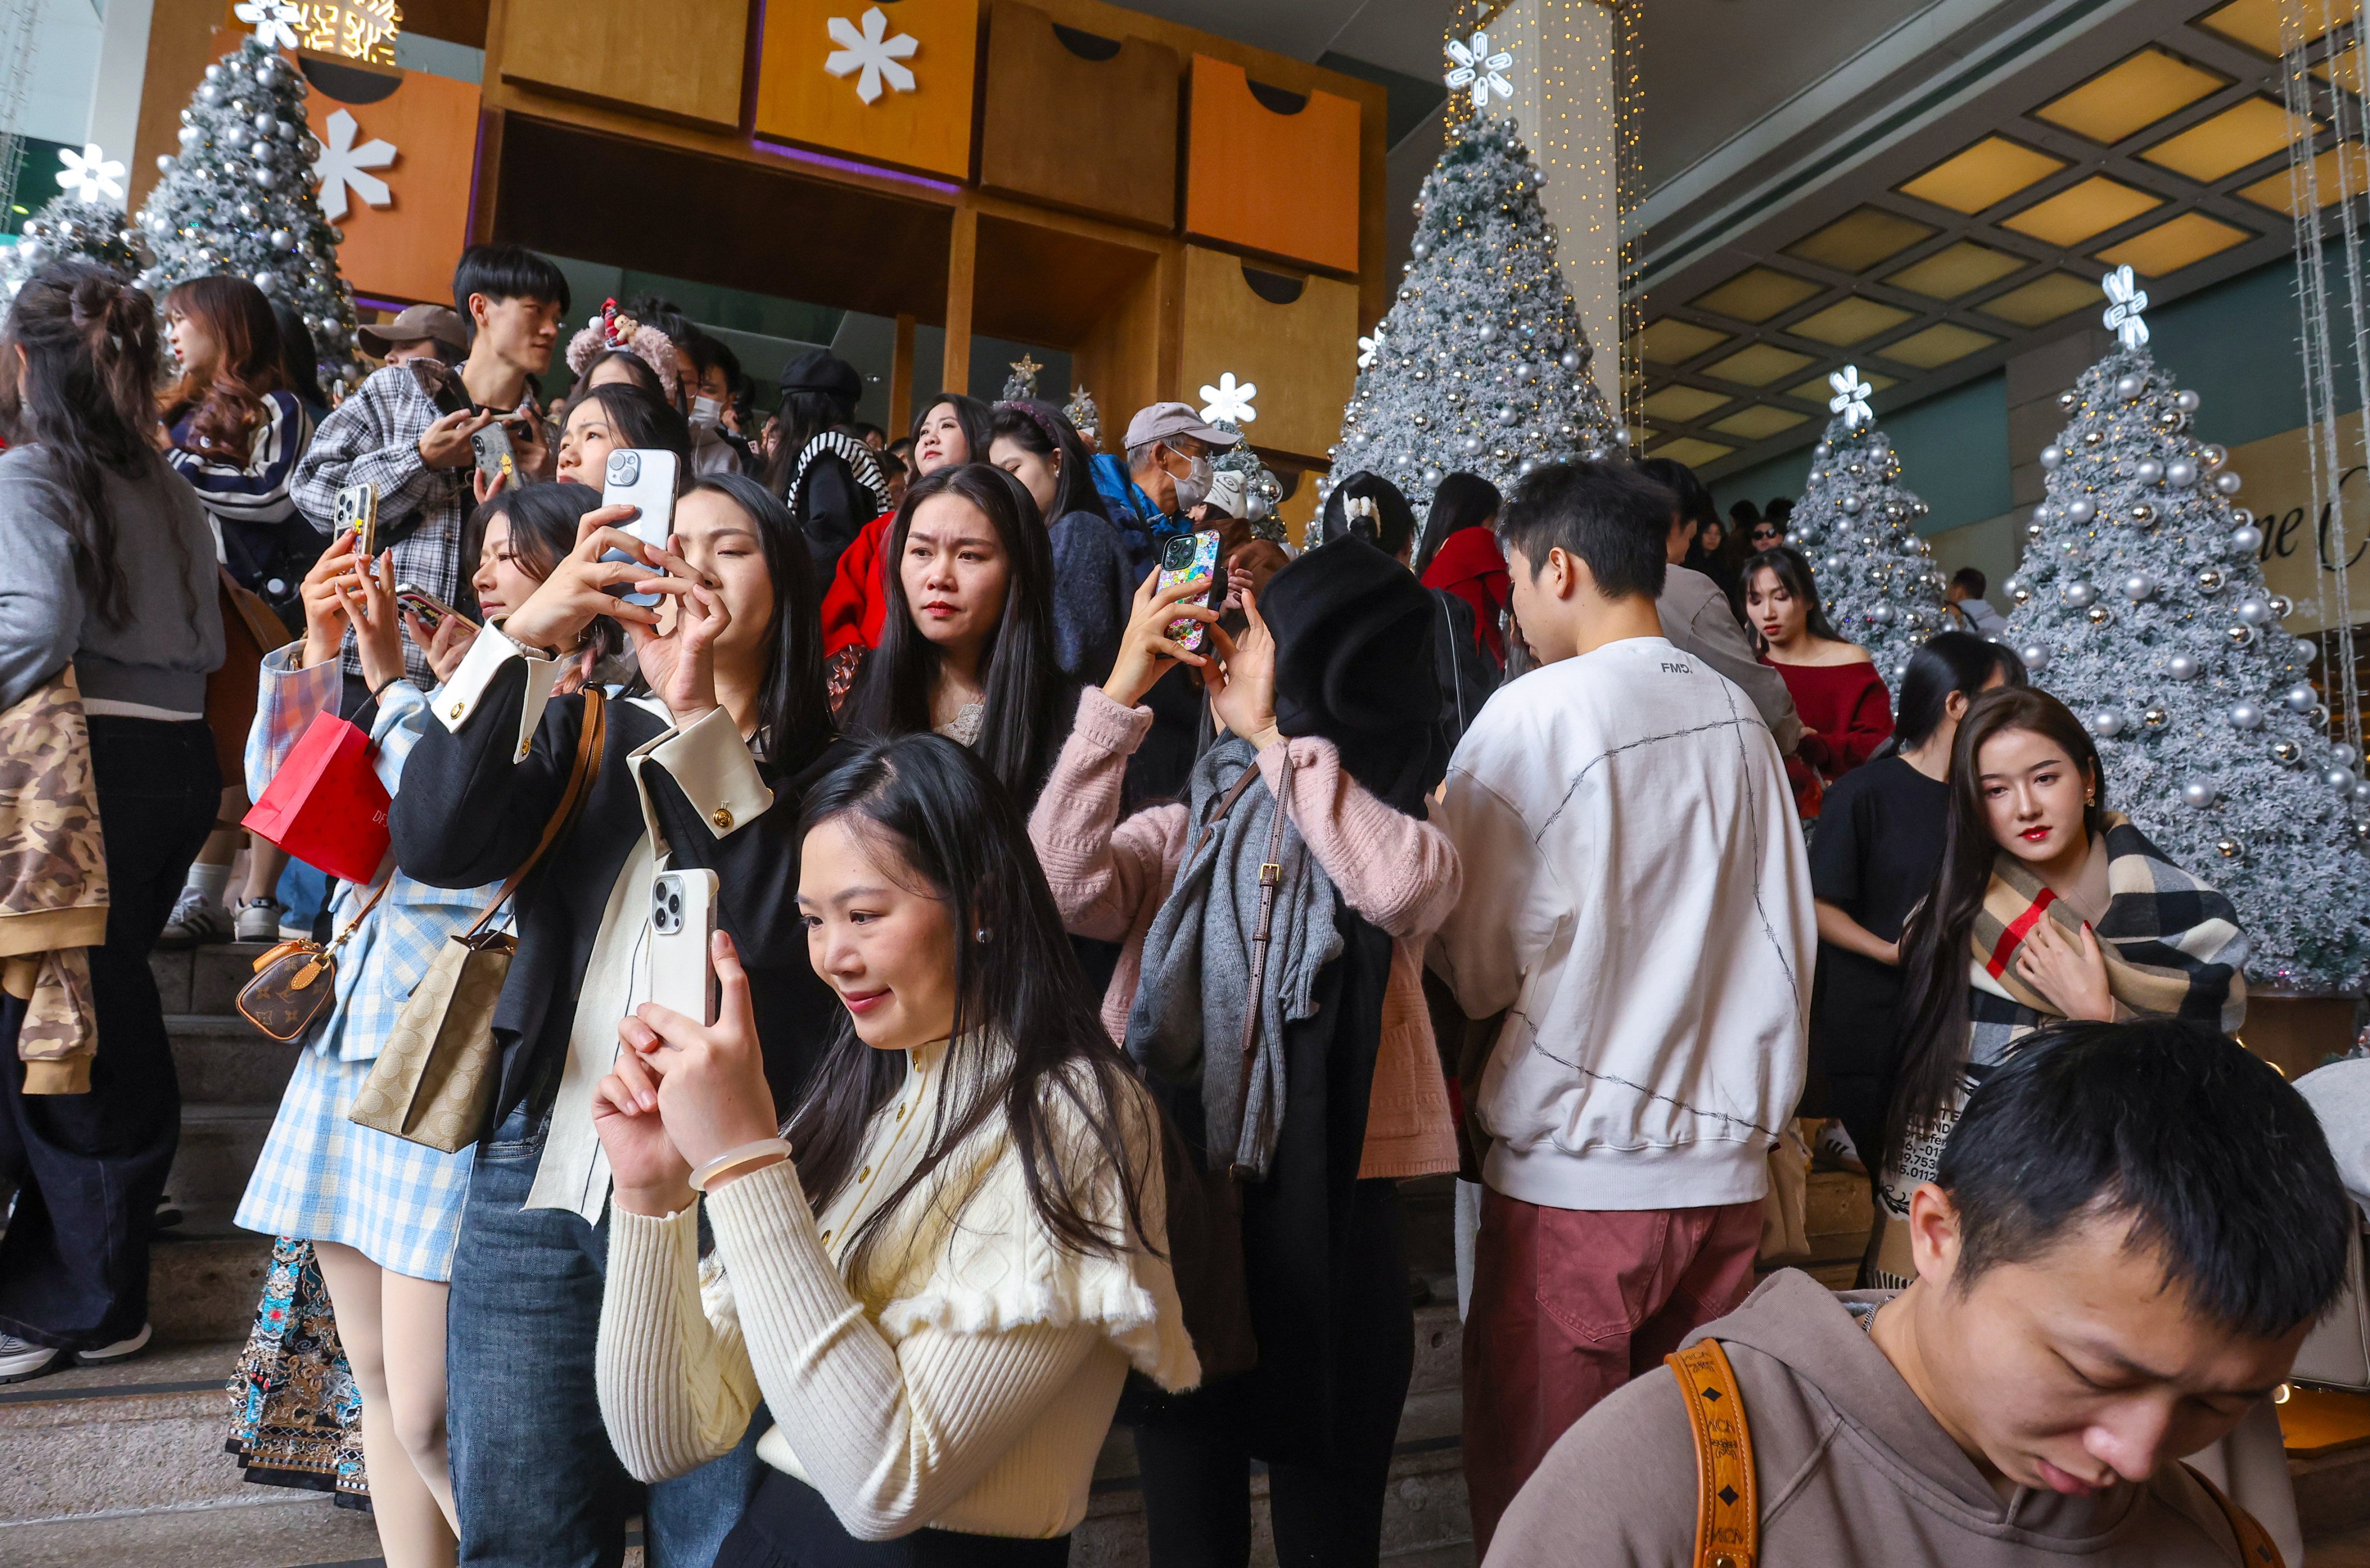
x=2173, y=948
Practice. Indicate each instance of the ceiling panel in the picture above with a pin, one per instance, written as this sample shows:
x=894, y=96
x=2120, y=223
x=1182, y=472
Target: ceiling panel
x=1673, y=341
x=1848, y=321
x=2256, y=24
x=1938, y=345
x=2051, y=297
x=1760, y=422
x=2082, y=212
x=2246, y=132
x=2184, y=241
x=1859, y=239
x=2127, y=98
x=1756, y=294
x=1956, y=272
x=1984, y=176
x=1759, y=366
x=1681, y=403
x=2277, y=191
x=1694, y=451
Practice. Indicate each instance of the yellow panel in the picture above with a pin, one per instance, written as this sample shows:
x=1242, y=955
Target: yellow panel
x=2130, y=97
x=1759, y=366
x=1848, y=321
x=1684, y=405
x=2164, y=250
x=2346, y=70
x=1759, y=422
x=1938, y=344
x=1962, y=269
x=2045, y=299
x=1984, y=176
x=2272, y=191
x=2243, y=134
x=1816, y=390
x=1673, y=341
x=2078, y=212
x=1859, y=239
x=1756, y=294
x=2256, y=24
x=1694, y=453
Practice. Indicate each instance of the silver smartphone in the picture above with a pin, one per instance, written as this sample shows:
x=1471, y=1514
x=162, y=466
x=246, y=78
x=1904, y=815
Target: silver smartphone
x=643, y=477
x=683, y=931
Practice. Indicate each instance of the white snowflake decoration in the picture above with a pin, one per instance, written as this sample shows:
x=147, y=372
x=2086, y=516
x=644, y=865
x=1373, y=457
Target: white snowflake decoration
x=343, y=165
x=275, y=21
x=873, y=52
x=90, y=174
x=1478, y=68
x=2125, y=300
x=1229, y=401
x=1851, y=397
x=1369, y=349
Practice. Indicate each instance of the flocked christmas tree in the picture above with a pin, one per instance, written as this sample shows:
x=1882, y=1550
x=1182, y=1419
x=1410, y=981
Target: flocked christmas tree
x=1262, y=489
x=80, y=221
x=1085, y=417
x=1480, y=363
x=2141, y=603
x=1857, y=524
x=238, y=199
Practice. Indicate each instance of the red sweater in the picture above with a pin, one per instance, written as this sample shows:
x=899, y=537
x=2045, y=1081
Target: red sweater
x=857, y=600
x=1851, y=710
x=1468, y=565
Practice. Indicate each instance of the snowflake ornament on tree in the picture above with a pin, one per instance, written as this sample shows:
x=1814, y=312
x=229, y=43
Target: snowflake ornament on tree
x=1229, y=402
x=343, y=167
x=1481, y=364
x=237, y=200
x=1477, y=66
x=91, y=175
x=1857, y=524
x=1370, y=350
x=874, y=51
x=275, y=21
x=2141, y=603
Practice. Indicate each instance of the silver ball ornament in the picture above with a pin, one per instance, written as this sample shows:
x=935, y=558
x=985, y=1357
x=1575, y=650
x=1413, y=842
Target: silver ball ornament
x=2246, y=541
x=2080, y=509
x=2179, y=474
x=2346, y=752
x=2155, y=717
x=2109, y=722
x=2035, y=657
x=2254, y=612
x=2138, y=586
x=2282, y=606
x=2209, y=582
x=2213, y=454
x=2186, y=401
x=2077, y=595
x=2245, y=716
x=2052, y=454
x=2240, y=636
x=2229, y=849
x=2227, y=483
x=2340, y=778
x=2147, y=471
x=2288, y=754
x=2300, y=697
x=2098, y=615
x=2198, y=794
x=1571, y=358
x=2129, y=386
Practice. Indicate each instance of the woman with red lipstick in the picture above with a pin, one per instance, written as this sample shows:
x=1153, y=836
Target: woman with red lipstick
x=1846, y=714
x=2048, y=906
x=940, y=1272
x=968, y=648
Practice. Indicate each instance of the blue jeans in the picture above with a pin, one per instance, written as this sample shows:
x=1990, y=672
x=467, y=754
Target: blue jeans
x=536, y=1481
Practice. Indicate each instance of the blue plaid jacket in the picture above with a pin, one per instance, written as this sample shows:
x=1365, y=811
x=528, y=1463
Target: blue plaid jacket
x=384, y=959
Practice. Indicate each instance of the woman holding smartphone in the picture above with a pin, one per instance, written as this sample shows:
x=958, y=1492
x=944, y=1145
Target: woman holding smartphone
x=605, y=418
x=707, y=768
x=967, y=648
x=941, y=1270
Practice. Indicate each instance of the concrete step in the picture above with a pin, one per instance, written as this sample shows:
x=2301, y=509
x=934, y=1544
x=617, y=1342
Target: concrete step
x=205, y=1277
x=218, y=1151
x=205, y=979
x=225, y=1060
x=139, y=1436
x=278, y=1528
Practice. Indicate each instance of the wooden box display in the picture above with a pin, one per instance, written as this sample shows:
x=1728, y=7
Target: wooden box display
x=1078, y=120
x=1271, y=171
x=1294, y=339
x=673, y=59
x=922, y=82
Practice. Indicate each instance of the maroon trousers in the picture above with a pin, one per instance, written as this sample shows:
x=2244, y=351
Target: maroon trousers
x=1570, y=1303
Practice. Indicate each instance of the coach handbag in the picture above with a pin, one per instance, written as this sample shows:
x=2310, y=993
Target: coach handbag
x=435, y=1078
x=294, y=980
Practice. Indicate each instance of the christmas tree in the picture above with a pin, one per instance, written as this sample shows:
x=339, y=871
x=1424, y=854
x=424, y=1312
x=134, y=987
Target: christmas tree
x=1262, y=489
x=68, y=226
x=1858, y=522
x=2141, y=603
x=1021, y=384
x=1480, y=363
x=1085, y=417
x=238, y=199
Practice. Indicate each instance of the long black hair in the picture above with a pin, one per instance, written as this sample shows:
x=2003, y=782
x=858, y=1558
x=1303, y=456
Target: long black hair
x=793, y=708
x=85, y=394
x=1038, y=426
x=1029, y=700
x=1459, y=501
x=1027, y=1045
x=1391, y=530
x=1792, y=567
x=299, y=362
x=1934, y=946
x=1948, y=662
x=976, y=420
x=641, y=420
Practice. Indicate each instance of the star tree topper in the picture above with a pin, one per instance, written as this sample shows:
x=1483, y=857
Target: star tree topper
x=1477, y=66
x=875, y=51
x=2125, y=300
x=1851, y=397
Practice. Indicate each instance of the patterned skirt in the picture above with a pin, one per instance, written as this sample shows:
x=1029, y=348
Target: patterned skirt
x=296, y=1417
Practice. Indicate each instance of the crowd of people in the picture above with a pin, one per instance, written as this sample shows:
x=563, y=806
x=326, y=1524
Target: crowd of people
x=1096, y=949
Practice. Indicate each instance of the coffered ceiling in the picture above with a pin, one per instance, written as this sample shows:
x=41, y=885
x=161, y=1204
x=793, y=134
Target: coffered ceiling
x=1964, y=208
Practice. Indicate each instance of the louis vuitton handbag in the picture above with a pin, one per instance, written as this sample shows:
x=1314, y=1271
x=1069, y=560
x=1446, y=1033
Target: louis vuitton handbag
x=296, y=980
x=435, y=1079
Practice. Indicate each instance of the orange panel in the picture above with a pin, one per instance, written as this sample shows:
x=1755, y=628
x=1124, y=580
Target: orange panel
x=920, y=114
x=1283, y=183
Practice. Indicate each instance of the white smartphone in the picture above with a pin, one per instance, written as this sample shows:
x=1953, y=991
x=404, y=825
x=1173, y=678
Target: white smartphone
x=682, y=927
x=644, y=477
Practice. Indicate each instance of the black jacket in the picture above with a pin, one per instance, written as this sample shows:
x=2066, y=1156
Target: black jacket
x=468, y=814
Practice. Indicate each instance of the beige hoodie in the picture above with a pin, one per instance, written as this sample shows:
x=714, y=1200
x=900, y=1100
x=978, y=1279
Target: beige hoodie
x=1852, y=1471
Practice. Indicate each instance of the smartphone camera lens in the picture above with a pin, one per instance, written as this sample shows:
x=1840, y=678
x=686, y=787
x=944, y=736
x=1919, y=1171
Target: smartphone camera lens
x=625, y=468
x=1176, y=555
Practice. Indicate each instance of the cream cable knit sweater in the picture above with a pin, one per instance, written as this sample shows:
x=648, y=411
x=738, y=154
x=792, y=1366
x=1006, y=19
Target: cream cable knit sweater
x=966, y=1383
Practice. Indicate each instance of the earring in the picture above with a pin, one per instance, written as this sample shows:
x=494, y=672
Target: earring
x=983, y=936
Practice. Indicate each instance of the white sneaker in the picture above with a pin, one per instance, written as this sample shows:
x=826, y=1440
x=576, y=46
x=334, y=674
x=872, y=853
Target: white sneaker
x=1835, y=1151
x=258, y=920
x=196, y=918
x=21, y=1359
x=121, y=1350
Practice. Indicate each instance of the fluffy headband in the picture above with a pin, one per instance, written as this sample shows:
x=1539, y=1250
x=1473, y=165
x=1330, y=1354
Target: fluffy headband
x=1038, y=418
x=612, y=329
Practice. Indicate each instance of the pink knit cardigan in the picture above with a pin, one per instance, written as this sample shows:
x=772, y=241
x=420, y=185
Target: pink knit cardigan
x=1111, y=877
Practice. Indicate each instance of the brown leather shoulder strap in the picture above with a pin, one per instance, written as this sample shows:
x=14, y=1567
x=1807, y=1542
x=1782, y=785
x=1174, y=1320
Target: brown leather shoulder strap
x=2256, y=1548
x=1728, y=1512
x=589, y=738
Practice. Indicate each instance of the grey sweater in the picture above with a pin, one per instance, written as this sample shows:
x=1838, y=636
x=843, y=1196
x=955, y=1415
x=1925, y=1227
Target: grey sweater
x=1696, y=616
x=172, y=639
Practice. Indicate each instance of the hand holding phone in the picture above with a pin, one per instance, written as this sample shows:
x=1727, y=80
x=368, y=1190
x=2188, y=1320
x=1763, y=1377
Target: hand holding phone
x=643, y=479
x=431, y=610
x=358, y=514
x=683, y=922
x=1192, y=558
x=496, y=459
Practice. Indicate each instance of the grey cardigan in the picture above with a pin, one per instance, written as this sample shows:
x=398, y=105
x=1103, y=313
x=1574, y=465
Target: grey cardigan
x=171, y=639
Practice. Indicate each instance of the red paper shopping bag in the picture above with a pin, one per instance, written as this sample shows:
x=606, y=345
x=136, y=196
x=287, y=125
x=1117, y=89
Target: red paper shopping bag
x=325, y=805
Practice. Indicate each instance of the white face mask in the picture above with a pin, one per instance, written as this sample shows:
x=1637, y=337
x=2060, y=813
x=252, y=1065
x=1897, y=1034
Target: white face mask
x=1195, y=488
x=708, y=412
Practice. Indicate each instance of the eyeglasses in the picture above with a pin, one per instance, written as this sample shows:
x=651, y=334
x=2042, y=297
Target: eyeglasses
x=1761, y=533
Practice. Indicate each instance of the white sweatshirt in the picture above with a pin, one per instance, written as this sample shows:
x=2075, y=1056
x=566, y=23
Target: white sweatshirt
x=1637, y=893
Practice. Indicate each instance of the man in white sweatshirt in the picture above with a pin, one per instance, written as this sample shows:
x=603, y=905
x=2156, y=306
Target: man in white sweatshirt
x=1637, y=907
